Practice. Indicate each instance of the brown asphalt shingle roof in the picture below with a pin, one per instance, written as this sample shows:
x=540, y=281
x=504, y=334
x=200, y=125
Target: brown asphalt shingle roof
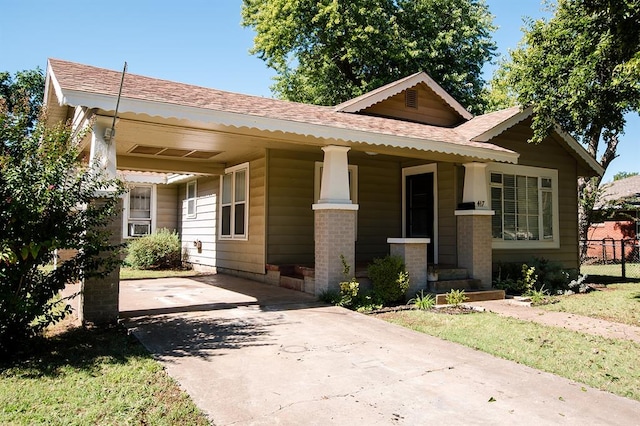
x=623, y=189
x=84, y=78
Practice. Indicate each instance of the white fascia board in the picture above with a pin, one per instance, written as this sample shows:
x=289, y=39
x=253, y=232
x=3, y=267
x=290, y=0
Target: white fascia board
x=56, y=86
x=579, y=149
x=503, y=126
x=422, y=77
x=239, y=120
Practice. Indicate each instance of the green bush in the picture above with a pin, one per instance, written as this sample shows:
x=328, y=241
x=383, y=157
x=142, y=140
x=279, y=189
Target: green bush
x=389, y=279
x=538, y=273
x=423, y=301
x=160, y=250
x=455, y=297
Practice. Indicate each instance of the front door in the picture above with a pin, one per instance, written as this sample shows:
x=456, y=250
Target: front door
x=419, y=209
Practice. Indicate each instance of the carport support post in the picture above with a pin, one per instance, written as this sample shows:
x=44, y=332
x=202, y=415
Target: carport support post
x=335, y=221
x=98, y=302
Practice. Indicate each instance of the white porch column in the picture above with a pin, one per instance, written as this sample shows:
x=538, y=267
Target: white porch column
x=98, y=301
x=334, y=221
x=475, y=186
x=334, y=187
x=103, y=149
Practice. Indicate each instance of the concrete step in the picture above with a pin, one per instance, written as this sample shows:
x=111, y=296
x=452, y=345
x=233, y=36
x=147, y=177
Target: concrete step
x=293, y=283
x=452, y=273
x=474, y=296
x=467, y=284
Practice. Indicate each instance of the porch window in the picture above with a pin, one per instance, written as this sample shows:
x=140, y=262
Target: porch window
x=234, y=206
x=191, y=199
x=139, y=206
x=525, y=201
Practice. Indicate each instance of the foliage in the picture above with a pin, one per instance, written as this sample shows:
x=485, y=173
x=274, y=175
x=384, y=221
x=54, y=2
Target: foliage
x=326, y=52
x=351, y=296
x=624, y=175
x=23, y=94
x=455, y=297
x=537, y=297
x=389, y=279
x=59, y=380
x=535, y=275
x=160, y=250
x=581, y=70
x=422, y=301
x=47, y=202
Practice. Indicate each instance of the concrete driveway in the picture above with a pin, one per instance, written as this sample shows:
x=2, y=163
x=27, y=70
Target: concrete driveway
x=252, y=354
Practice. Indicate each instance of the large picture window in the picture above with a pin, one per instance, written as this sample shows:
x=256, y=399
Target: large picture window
x=525, y=201
x=234, y=206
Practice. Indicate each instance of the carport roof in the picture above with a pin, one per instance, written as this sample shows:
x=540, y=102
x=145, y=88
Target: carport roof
x=78, y=85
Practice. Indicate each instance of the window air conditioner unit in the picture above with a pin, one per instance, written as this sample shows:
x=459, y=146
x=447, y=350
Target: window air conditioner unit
x=139, y=229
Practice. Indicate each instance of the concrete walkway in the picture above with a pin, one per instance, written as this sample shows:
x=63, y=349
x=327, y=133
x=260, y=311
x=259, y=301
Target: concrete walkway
x=583, y=324
x=251, y=354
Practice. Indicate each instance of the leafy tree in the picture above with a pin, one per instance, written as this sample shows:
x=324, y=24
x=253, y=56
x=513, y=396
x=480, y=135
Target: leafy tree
x=47, y=202
x=624, y=175
x=329, y=51
x=580, y=69
x=23, y=93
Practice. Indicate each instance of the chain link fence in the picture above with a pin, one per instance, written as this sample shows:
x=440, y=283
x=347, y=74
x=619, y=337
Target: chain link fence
x=609, y=257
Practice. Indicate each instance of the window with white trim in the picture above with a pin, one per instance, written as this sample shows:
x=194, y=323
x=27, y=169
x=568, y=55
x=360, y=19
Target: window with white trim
x=139, y=210
x=191, y=198
x=525, y=201
x=234, y=205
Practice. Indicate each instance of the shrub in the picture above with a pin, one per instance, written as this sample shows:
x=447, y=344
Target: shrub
x=160, y=250
x=389, y=279
x=538, y=273
x=423, y=301
x=455, y=297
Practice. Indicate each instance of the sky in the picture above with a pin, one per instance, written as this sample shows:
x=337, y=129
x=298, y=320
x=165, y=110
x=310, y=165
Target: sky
x=198, y=42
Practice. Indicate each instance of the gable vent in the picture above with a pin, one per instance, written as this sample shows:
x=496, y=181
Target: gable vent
x=411, y=98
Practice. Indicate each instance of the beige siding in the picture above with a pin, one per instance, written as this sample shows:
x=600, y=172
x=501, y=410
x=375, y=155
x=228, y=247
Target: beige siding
x=431, y=109
x=167, y=207
x=202, y=227
x=249, y=255
x=549, y=154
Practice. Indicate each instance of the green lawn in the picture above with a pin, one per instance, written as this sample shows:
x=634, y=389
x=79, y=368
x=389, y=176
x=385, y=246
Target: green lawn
x=615, y=302
x=632, y=270
x=607, y=364
x=84, y=377
x=135, y=274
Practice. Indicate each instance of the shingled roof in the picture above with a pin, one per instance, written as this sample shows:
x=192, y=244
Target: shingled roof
x=627, y=189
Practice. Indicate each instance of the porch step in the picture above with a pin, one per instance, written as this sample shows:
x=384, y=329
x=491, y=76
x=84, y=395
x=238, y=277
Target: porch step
x=293, y=283
x=474, y=296
x=466, y=284
x=447, y=273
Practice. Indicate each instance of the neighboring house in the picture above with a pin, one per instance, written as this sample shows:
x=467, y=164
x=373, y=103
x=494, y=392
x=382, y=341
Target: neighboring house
x=622, y=198
x=275, y=183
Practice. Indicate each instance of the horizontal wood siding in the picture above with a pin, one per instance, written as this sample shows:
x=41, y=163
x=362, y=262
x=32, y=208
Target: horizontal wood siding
x=290, y=194
x=167, y=207
x=202, y=227
x=549, y=154
x=249, y=255
x=447, y=223
x=431, y=109
x=380, y=211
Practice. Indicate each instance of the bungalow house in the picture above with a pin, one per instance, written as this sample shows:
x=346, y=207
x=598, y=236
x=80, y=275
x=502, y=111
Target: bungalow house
x=260, y=184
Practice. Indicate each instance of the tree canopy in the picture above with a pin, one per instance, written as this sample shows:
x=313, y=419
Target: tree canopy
x=23, y=93
x=329, y=51
x=581, y=70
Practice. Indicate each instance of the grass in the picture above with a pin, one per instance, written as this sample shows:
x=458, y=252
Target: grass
x=632, y=270
x=606, y=364
x=100, y=376
x=136, y=274
x=617, y=303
